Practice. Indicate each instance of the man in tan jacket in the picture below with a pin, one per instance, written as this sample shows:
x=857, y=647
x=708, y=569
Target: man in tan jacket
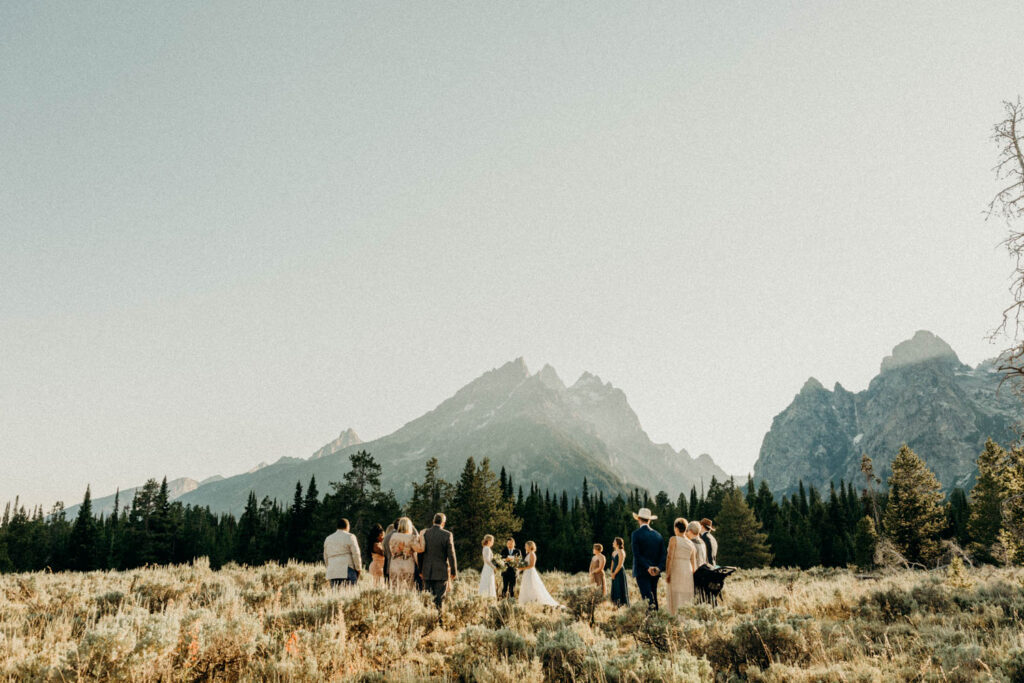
x=341, y=555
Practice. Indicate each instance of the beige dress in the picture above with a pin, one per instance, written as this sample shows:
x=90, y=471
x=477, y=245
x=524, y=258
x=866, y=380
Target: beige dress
x=403, y=559
x=597, y=572
x=680, y=589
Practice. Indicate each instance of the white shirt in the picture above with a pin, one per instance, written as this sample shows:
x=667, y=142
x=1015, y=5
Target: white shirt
x=341, y=551
x=714, y=549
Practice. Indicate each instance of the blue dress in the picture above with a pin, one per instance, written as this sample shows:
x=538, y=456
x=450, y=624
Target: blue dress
x=620, y=594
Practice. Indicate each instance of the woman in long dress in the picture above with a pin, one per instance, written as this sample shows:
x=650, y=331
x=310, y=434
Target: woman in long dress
x=404, y=545
x=377, y=554
x=620, y=593
x=680, y=564
x=597, y=568
x=487, y=587
x=531, y=588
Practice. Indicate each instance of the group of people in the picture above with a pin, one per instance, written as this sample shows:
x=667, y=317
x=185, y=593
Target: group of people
x=404, y=558
x=691, y=549
x=401, y=557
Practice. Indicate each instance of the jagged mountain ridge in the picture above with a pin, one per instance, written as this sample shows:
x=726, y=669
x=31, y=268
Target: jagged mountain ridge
x=531, y=424
x=923, y=396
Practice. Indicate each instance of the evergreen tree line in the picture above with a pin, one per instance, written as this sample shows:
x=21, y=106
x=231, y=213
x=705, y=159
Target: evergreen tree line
x=804, y=529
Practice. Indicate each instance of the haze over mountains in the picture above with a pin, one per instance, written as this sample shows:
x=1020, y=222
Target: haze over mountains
x=532, y=424
x=923, y=396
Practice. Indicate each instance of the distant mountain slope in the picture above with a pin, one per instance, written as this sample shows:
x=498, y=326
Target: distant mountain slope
x=533, y=425
x=105, y=505
x=923, y=396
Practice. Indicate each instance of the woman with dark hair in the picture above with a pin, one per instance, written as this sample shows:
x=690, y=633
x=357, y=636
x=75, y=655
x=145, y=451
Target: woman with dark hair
x=375, y=542
x=620, y=593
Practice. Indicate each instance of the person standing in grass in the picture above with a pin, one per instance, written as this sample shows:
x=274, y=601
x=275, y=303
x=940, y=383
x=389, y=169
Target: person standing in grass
x=648, y=556
x=376, y=553
x=487, y=584
x=405, y=543
x=620, y=592
x=439, y=564
x=597, y=568
x=680, y=566
x=341, y=555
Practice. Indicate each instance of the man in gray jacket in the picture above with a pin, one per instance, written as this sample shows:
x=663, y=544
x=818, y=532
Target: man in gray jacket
x=439, y=565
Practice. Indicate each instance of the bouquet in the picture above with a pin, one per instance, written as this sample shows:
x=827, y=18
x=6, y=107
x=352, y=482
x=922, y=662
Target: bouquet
x=498, y=563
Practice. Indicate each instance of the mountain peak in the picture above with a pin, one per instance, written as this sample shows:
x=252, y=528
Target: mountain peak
x=812, y=384
x=923, y=346
x=588, y=379
x=549, y=377
x=346, y=439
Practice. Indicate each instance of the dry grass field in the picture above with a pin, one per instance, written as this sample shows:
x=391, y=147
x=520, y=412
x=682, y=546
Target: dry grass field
x=190, y=623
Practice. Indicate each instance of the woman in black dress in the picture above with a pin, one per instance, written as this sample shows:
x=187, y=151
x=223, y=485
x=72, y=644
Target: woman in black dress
x=620, y=593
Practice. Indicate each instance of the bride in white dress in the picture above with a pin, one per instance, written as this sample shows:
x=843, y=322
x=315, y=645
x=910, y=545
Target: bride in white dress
x=487, y=588
x=531, y=588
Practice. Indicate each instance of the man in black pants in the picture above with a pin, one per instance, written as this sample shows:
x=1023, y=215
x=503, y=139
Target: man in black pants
x=438, y=560
x=508, y=576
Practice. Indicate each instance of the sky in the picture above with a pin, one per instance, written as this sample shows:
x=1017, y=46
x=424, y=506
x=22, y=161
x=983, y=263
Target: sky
x=228, y=232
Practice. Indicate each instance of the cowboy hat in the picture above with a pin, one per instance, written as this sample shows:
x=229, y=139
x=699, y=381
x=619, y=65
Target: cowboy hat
x=645, y=513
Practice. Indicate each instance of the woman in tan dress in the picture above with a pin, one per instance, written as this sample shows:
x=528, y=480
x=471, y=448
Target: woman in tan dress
x=680, y=564
x=377, y=554
x=597, y=568
x=404, y=545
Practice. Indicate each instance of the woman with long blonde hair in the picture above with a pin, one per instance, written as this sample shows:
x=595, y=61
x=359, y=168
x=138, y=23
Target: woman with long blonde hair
x=532, y=588
x=405, y=543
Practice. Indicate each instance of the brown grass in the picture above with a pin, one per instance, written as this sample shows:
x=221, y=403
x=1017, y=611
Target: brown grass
x=189, y=623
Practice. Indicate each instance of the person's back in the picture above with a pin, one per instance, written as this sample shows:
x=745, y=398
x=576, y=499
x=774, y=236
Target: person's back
x=341, y=555
x=439, y=562
x=647, y=549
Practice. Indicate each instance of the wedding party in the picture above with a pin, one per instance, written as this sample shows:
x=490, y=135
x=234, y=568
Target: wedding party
x=404, y=558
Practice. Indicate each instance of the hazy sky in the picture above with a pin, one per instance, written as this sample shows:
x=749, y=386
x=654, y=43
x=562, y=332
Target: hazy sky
x=229, y=231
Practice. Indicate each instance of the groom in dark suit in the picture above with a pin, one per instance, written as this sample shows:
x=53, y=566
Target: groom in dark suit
x=508, y=576
x=648, y=557
x=438, y=565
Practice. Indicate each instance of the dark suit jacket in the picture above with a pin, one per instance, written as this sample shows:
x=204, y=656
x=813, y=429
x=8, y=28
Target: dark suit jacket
x=648, y=550
x=438, y=554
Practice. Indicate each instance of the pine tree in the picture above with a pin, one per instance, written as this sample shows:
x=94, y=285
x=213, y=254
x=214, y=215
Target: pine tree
x=914, y=515
x=431, y=496
x=958, y=517
x=83, y=545
x=479, y=507
x=864, y=542
x=741, y=542
x=1011, y=536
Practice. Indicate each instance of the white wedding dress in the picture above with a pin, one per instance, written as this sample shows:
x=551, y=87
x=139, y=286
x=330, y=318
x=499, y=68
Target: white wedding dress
x=531, y=588
x=487, y=589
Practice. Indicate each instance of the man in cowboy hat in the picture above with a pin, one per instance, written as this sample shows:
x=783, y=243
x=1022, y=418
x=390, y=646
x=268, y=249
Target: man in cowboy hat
x=648, y=557
x=707, y=526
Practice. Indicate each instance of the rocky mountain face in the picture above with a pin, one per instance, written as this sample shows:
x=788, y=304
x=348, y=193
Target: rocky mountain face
x=923, y=396
x=345, y=439
x=533, y=425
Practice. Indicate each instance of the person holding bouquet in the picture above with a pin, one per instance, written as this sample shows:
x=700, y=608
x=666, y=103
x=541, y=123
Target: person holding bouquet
x=512, y=558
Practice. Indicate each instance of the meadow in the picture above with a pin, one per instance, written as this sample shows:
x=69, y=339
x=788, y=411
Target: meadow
x=279, y=623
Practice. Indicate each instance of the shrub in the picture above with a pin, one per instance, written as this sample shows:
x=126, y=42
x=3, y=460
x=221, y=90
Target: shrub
x=582, y=602
x=561, y=652
x=770, y=636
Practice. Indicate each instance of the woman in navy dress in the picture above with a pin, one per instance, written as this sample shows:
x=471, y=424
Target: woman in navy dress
x=620, y=593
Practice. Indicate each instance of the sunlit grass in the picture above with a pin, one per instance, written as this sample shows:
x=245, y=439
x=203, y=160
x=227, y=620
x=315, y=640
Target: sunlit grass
x=280, y=623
